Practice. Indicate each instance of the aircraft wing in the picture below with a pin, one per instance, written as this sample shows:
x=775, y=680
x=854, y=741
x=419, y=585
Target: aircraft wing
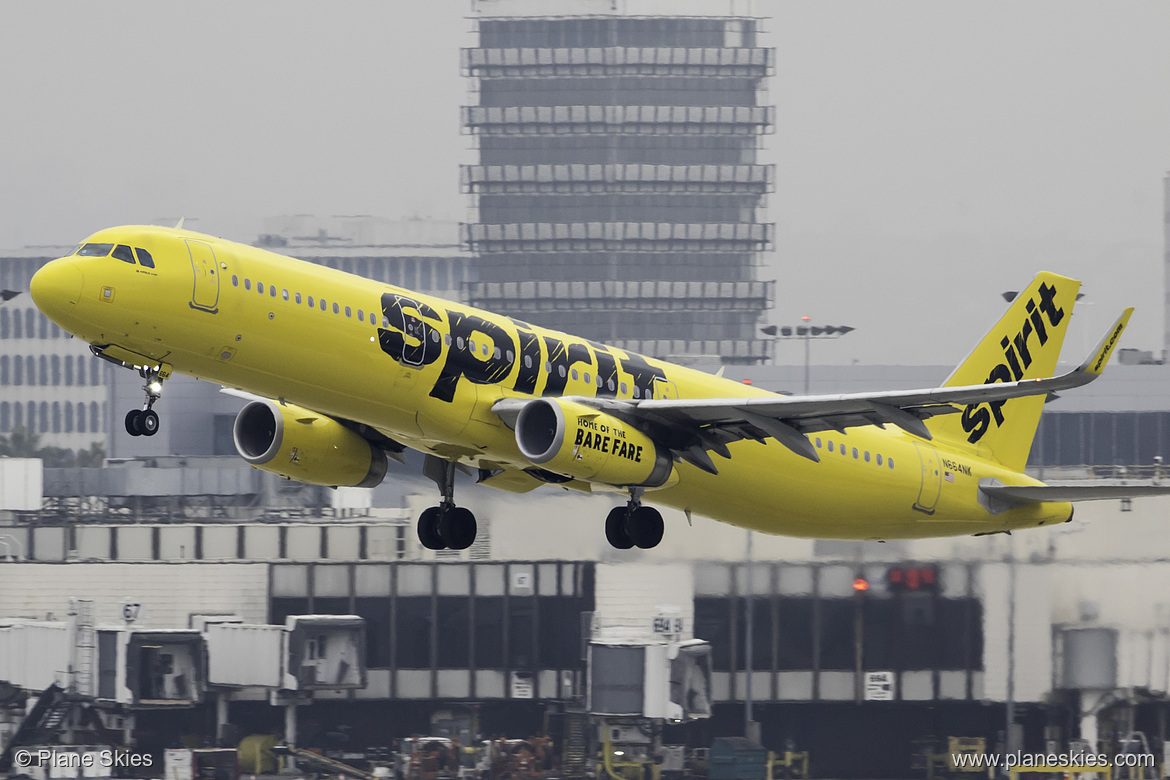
x=692, y=427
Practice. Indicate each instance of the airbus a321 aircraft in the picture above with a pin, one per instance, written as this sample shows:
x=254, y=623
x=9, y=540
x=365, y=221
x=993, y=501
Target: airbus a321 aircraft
x=345, y=371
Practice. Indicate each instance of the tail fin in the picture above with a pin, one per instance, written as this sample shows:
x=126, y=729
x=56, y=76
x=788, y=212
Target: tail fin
x=1024, y=344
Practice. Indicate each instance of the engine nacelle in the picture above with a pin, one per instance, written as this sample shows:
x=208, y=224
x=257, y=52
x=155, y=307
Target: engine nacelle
x=308, y=447
x=569, y=438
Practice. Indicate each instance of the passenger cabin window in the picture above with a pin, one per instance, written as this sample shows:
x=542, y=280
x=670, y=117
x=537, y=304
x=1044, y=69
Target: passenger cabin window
x=145, y=259
x=124, y=253
x=95, y=250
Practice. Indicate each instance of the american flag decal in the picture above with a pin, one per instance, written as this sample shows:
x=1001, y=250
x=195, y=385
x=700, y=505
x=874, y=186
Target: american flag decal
x=949, y=476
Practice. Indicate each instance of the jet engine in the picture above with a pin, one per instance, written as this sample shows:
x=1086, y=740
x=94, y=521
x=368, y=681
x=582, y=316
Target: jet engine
x=308, y=447
x=569, y=438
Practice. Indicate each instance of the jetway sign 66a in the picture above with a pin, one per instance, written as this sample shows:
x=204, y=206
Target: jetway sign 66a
x=664, y=624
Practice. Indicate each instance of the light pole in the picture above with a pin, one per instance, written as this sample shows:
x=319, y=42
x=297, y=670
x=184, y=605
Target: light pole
x=807, y=333
x=750, y=729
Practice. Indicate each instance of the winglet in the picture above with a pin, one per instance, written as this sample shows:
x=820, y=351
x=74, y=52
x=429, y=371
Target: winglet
x=1095, y=363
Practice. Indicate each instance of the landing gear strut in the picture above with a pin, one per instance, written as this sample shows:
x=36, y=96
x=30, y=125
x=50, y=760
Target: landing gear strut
x=445, y=526
x=144, y=421
x=634, y=525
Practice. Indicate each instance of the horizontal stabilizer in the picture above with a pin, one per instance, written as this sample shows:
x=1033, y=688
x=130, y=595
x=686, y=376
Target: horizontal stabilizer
x=1082, y=490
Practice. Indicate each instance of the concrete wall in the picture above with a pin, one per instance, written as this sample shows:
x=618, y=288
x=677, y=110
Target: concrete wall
x=169, y=594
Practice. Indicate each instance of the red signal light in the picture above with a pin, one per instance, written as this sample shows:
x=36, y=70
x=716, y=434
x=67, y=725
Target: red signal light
x=913, y=578
x=860, y=585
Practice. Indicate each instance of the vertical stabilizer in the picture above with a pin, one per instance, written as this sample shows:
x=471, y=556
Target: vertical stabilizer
x=1024, y=344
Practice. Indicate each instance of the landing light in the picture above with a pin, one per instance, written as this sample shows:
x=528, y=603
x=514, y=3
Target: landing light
x=155, y=388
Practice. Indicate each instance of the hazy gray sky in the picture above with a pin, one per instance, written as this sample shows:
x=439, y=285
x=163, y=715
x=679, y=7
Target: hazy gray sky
x=929, y=155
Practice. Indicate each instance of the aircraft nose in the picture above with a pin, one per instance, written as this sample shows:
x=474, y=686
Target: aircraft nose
x=56, y=286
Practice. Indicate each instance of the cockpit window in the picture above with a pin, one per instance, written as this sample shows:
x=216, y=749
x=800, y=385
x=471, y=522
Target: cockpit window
x=145, y=258
x=95, y=250
x=124, y=253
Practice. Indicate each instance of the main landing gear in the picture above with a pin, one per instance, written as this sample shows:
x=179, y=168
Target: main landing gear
x=446, y=526
x=144, y=421
x=634, y=525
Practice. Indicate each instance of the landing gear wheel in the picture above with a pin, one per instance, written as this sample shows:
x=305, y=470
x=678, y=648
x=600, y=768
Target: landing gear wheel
x=148, y=422
x=144, y=422
x=615, y=529
x=132, y=417
x=428, y=529
x=645, y=527
x=457, y=528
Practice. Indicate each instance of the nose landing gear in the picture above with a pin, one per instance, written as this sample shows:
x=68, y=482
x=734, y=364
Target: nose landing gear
x=634, y=525
x=144, y=421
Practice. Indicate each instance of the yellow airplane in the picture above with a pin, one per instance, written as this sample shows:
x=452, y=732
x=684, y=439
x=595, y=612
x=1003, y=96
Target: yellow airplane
x=344, y=371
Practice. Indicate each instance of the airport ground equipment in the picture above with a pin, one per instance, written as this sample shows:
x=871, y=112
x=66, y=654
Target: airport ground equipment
x=518, y=759
x=945, y=765
x=787, y=764
x=56, y=711
x=630, y=748
x=428, y=758
x=736, y=758
x=322, y=764
x=201, y=764
x=255, y=754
